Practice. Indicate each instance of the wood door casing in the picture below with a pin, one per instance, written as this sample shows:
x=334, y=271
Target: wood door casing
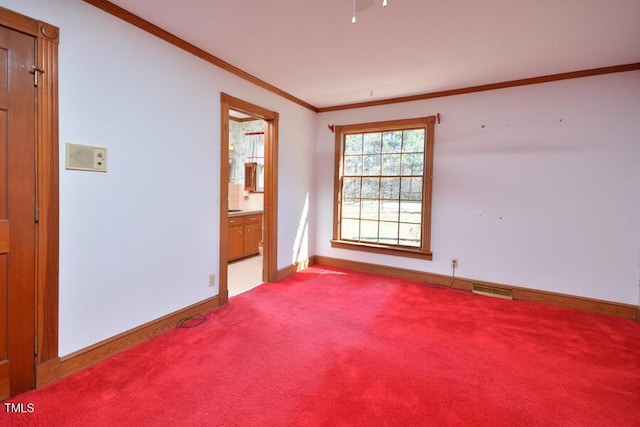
x=17, y=213
x=270, y=213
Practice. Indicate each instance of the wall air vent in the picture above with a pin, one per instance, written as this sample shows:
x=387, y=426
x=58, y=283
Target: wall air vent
x=491, y=291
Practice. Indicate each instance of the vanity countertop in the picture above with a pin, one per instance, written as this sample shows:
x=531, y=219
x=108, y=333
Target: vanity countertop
x=242, y=212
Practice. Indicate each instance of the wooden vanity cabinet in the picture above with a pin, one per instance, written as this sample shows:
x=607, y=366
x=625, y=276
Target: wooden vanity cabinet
x=236, y=237
x=245, y=235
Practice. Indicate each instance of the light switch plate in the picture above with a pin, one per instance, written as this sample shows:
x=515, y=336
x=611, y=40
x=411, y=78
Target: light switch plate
x=86, y=158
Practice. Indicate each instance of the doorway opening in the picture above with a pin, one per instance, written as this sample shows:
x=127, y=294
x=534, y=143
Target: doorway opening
x=248, y=195
x=246, y=202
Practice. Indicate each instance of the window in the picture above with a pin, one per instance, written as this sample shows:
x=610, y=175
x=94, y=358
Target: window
x=383, y=175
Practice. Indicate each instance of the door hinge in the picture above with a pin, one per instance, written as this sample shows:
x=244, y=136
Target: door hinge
x=35, y=345
x=37, y=214
x=36, y=71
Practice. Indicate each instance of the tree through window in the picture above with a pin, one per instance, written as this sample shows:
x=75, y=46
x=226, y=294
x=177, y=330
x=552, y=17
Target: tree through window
x=383, y=186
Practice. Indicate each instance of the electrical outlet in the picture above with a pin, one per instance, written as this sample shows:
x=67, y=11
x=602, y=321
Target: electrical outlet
x=454, y=263
x=212, y=280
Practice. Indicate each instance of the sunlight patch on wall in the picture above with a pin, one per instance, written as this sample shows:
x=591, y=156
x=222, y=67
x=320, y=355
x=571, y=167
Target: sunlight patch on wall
x=301, y=243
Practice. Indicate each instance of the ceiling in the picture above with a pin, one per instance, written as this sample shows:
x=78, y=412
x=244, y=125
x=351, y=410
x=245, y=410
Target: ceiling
x=311, y=50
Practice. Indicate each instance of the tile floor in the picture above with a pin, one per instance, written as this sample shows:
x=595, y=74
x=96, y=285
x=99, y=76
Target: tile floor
x=244, y=274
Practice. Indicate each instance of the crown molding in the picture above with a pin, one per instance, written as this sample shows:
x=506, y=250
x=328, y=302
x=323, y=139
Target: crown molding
x=492, y=86
x=147, y=26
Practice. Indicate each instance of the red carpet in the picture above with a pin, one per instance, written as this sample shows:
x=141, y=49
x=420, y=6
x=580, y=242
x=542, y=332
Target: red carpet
x=327, y=347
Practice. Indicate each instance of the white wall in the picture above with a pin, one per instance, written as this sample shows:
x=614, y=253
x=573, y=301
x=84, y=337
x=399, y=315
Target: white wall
x=139, y=242
x=535, y=186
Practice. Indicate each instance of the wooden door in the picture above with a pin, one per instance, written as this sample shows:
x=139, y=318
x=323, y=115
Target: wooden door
x=17, y=213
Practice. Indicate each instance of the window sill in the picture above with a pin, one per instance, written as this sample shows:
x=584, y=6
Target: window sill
x=380, y=249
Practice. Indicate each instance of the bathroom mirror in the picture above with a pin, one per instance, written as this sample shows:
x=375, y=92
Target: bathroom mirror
x=246, y=152
x=253, y=177
x=250, y=176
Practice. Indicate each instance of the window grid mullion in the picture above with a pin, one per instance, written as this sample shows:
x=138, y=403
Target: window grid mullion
x=361, y=187
x=399, y=196
x=379, y=197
